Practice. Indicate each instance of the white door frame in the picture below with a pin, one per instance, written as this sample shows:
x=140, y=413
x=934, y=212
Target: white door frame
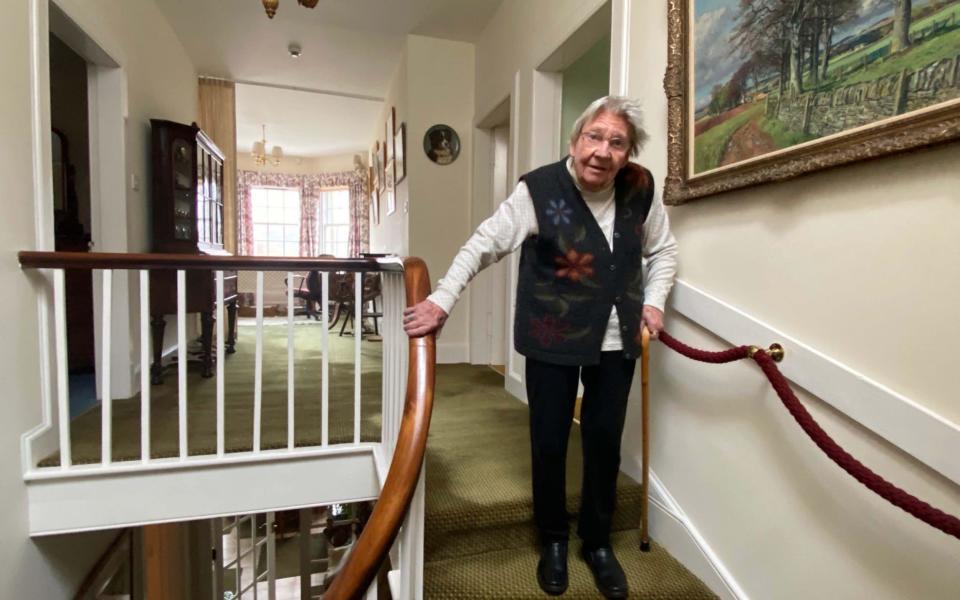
x=107, y=116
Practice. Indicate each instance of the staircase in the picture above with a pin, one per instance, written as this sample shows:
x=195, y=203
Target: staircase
x=480, y=540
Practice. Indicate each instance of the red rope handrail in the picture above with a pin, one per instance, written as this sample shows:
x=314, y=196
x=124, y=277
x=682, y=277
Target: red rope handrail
x=930, y=515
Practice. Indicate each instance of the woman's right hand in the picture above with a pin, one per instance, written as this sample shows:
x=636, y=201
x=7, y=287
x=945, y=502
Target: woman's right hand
x=423, y=319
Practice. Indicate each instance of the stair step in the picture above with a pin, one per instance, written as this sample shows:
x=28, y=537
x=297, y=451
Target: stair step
x=511, y=526
x=511, y=574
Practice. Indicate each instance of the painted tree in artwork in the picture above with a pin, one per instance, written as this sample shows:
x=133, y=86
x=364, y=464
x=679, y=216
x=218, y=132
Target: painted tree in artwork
x=792, y=37
x=901, y=24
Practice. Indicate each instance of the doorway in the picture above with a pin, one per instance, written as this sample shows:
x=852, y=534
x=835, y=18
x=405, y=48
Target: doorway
x=488, y=293
x=70, y=165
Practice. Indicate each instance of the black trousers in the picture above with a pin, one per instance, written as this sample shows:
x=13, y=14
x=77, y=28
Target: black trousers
x=552, y=396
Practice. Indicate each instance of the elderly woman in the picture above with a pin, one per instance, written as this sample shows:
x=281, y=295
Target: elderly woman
x=584, y=225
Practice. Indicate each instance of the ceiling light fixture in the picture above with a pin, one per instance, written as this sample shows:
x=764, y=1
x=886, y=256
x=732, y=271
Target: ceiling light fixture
x=270, y=6
x=259, y=151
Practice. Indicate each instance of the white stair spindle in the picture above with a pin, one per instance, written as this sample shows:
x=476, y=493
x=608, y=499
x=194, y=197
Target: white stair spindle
x=63, y=383
x=258, y=369
x=325, y=361
x=221, y=359
x=182, y=359
x=357, y=338
x=290, y=385
x=144, y=365
x=106, y=405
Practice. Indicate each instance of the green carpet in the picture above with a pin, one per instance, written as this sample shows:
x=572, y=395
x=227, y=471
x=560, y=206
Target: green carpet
x=238, y=403
x=480, y=541
x=479, y=537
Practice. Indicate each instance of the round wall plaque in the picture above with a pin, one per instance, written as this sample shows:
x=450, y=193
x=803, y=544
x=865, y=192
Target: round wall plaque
x=441, y=144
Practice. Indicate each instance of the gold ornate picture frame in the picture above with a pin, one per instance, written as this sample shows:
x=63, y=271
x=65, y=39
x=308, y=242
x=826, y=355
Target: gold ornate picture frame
x=912, y=107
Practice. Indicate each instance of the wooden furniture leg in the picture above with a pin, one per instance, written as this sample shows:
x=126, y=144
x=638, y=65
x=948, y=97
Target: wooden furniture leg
x=231, y=342
x=206, y=341
x=157, y=325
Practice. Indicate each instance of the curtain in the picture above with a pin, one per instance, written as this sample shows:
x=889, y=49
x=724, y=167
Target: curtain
x=310, y=186
x=309, y=209
x=218, y=119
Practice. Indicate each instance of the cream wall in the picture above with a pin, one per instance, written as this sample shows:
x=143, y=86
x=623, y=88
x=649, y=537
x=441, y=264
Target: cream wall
x=160, y=84
x=391, y=234
x=440, y=90
x=863, y=264
x=334, y=163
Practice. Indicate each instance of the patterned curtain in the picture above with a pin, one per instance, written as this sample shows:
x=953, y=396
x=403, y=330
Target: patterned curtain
x=310, y=187
x=309, y=209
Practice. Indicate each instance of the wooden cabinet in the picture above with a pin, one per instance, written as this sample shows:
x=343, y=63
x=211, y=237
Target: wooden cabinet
x=188, y=219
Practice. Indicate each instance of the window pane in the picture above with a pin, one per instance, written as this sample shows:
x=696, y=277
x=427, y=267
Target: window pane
x=292, y=249
x=292, y=213
x=260, y=249
x=259, y=211
x=275, y=198
x=275, y=233
x=275, y=215
x=259, y=232
x=291, y=233
x=276, y=249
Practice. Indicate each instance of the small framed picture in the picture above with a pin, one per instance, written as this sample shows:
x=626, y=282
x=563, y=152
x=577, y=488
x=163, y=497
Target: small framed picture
x=390, y=130
x=391, y=189
x=375, y=168
x=400, y=149
x=383, y=167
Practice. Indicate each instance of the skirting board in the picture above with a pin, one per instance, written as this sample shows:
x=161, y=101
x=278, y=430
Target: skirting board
x=449, y=353
x=671, y=528
x=917, y=430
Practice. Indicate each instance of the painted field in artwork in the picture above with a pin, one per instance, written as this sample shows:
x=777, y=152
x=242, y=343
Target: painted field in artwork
x=770, y=74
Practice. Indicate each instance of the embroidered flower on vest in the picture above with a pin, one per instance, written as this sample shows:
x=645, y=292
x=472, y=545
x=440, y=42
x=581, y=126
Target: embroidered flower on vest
x=549, y=330
x=558, y=211
x=574, y=266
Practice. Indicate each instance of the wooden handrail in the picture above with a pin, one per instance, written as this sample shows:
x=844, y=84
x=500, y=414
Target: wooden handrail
x=370, y=550
x=118, y=260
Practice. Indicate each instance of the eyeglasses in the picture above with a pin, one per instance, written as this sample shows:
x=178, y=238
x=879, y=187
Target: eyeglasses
x=595, y=139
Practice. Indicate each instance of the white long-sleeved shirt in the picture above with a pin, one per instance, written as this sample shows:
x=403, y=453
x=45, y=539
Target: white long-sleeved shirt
x=515, y=220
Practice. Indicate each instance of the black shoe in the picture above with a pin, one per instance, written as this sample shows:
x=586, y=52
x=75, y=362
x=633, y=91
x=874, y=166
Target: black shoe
x=607, y=572
x=552, y=568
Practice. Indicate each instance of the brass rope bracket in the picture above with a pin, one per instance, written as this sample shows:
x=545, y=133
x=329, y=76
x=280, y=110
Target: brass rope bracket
x=776, y=352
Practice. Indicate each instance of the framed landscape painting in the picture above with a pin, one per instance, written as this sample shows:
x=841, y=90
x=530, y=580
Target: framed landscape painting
x=765, y=90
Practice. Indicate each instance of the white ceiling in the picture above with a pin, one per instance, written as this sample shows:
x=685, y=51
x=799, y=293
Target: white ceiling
x=304, y=124
x=350, y=47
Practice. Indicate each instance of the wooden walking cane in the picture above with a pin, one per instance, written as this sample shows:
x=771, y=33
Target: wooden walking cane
x=645, y=428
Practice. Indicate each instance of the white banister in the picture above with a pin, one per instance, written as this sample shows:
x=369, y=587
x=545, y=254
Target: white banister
x=63, y=382
x=325, y=361
x=182, y=360
x=290, y=377
x=221, y=359
x=144, y=365
x=258, y=369
x=106, y=404
x=357, y=338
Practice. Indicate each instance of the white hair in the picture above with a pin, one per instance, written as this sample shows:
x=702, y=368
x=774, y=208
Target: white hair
x=621, y=106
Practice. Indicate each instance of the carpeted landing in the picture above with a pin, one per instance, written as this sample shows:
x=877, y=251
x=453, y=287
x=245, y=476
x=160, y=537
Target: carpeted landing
x=239, y=370
x=480, y=540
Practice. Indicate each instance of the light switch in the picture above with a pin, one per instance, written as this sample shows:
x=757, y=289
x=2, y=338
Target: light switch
x=134, y=182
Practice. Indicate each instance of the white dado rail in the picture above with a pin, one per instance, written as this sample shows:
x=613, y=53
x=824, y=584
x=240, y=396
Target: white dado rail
x=917, y=430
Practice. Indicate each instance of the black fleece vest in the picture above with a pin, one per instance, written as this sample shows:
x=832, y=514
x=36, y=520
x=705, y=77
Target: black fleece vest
x=569, y=278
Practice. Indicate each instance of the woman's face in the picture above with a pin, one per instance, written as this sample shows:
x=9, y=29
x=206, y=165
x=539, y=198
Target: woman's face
x=601, y=150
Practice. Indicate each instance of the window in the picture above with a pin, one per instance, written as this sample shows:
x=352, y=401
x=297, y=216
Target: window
x=334, y=221
x=276, y=221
